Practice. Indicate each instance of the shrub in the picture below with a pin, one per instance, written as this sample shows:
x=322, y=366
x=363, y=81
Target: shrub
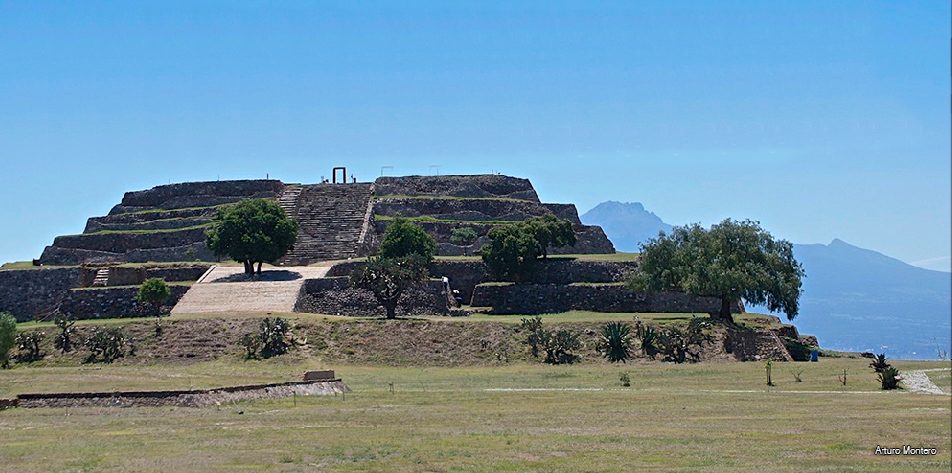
x=463, y=236
x=625, y=379
x=889, y=378
x=672, y=343
x=106, y=343
x=615, y=343
x=272, y=339
x=28, y=344
x=8, y=333
x=680, y=345
x=251, y=343
x=557, y=346
x=154, y=292
x=64, y=339
x=535, y=335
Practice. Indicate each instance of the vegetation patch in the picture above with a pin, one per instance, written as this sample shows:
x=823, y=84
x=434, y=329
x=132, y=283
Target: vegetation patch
x=446, y=197
x=157, y=230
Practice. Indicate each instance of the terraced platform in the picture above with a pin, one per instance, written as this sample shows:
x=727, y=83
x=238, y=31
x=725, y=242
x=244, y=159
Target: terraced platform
x=337, y=221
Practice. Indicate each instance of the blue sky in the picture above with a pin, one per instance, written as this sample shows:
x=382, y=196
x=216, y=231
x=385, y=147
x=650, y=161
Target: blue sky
x=821, y=120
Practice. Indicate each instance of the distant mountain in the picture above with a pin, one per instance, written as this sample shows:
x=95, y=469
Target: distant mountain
x=860, y=300
x=627, y=224
x=853, y=299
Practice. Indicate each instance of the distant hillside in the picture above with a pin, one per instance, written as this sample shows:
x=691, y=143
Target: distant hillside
x=627, y=224
x=858, y=299
x=853, y=298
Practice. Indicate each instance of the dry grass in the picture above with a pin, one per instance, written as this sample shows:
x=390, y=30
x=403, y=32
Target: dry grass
x=521, y=417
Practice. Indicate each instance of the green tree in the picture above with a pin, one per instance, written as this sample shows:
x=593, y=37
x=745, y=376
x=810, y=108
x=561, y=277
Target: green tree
x=8, y=336
x=389, y=278
x=514, y=248
x=733, y=260
x=404, y=238
x=512, y=253
x=154, y=291
x=551, y=231
x=463, y=236
x=252, y=231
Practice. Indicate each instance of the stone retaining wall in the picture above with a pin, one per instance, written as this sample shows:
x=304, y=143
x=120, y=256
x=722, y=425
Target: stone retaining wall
x=755, y=345
x=53, y=255
x=183, y=398
x=122, y=242
x=148, y=225
x=487, y=185
x=334, y=296
x=197, y=194
x=128, y=276
x=26, y=293
x=111, y=303
x=466, y=275
x=555, y=298
x=475, y=210
x=109, y=222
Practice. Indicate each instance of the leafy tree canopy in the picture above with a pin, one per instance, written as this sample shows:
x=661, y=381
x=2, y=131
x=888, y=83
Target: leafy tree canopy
x=515, y=248
x=252, y=231
x=404, y=238
x=388, y=278
x=512, y=253
x=553, y=231
x=733, y=260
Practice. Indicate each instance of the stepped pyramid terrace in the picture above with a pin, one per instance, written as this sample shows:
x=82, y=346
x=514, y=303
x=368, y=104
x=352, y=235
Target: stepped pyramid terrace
x=337, y=221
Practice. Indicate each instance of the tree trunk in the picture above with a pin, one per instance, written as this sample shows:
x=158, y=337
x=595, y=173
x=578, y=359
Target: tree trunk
x=391, y=308
x=259, y=267
x=725, y=313
x=249, y=267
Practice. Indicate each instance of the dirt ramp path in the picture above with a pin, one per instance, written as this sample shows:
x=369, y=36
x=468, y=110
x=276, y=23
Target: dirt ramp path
x=228, y=290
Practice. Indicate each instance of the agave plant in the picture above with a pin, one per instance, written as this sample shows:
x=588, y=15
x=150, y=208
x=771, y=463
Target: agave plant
x=890, y=378
x=879, y=363
x=649, y=339
x=616, y=342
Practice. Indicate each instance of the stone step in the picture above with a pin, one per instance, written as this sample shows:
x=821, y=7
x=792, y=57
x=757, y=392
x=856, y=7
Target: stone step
x=102, y=278
x=330, y=219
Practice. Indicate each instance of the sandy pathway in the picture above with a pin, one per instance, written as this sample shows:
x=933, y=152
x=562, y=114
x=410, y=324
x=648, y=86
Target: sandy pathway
x=225, y=289
x=917, y=381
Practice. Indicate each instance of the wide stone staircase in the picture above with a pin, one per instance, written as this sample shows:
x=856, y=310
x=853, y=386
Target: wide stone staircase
x=331, y=217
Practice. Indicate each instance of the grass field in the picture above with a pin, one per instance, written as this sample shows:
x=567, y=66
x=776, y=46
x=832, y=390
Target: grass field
x=519, y=417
